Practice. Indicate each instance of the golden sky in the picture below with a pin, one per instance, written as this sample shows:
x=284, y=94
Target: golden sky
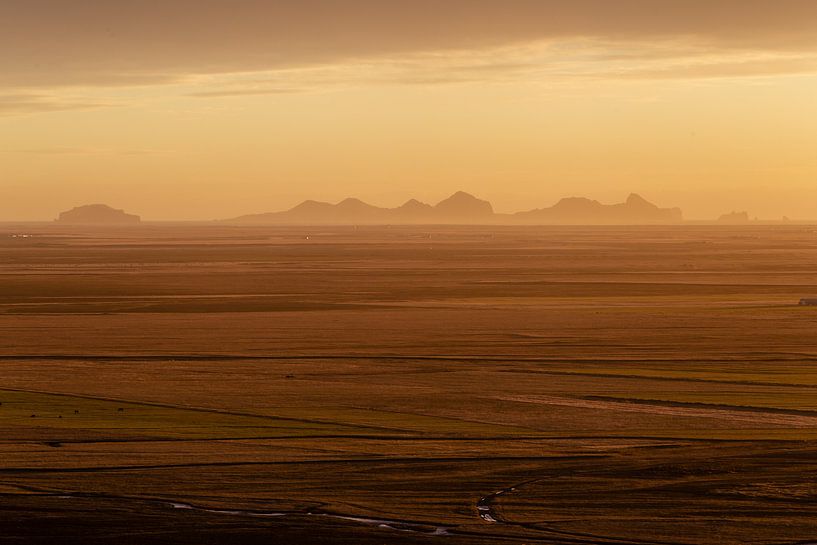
x=201, y=109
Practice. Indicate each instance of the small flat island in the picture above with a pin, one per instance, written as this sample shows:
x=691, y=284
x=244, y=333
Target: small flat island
x=97, y=214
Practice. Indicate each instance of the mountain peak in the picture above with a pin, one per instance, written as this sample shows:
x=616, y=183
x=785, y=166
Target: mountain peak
x=634, y=199
x=414, y=204
x=311, y=205
x=462, y=204
x=353, y=203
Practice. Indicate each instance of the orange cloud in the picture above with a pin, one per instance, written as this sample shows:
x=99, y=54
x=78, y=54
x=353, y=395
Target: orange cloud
x=98, y=42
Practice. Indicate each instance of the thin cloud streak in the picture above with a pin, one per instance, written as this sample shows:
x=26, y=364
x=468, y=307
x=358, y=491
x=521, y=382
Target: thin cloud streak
x=543, y=63
x=69, y=151
x=244, y=92
x=26, y=104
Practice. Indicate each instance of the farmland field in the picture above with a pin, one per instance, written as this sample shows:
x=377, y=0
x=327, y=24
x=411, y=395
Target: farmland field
x=208, y=384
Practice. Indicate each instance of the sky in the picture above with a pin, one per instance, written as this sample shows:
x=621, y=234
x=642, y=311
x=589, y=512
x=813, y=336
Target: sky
x=204, y=109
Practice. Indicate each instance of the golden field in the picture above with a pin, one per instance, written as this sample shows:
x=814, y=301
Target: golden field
x=212, y=384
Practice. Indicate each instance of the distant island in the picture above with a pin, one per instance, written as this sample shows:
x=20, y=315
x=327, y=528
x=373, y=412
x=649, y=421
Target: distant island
x=97, y=214
x=735, y=218
x=459, y=208
x=464, y=208
x=577, y=210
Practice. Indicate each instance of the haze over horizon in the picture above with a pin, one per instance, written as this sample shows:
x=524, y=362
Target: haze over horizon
x=212, y=109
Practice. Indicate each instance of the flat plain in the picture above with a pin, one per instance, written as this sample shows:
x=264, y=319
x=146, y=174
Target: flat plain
x=209, y=384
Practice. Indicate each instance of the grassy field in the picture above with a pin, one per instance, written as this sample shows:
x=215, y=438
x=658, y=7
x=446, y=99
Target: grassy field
x=206, y=384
